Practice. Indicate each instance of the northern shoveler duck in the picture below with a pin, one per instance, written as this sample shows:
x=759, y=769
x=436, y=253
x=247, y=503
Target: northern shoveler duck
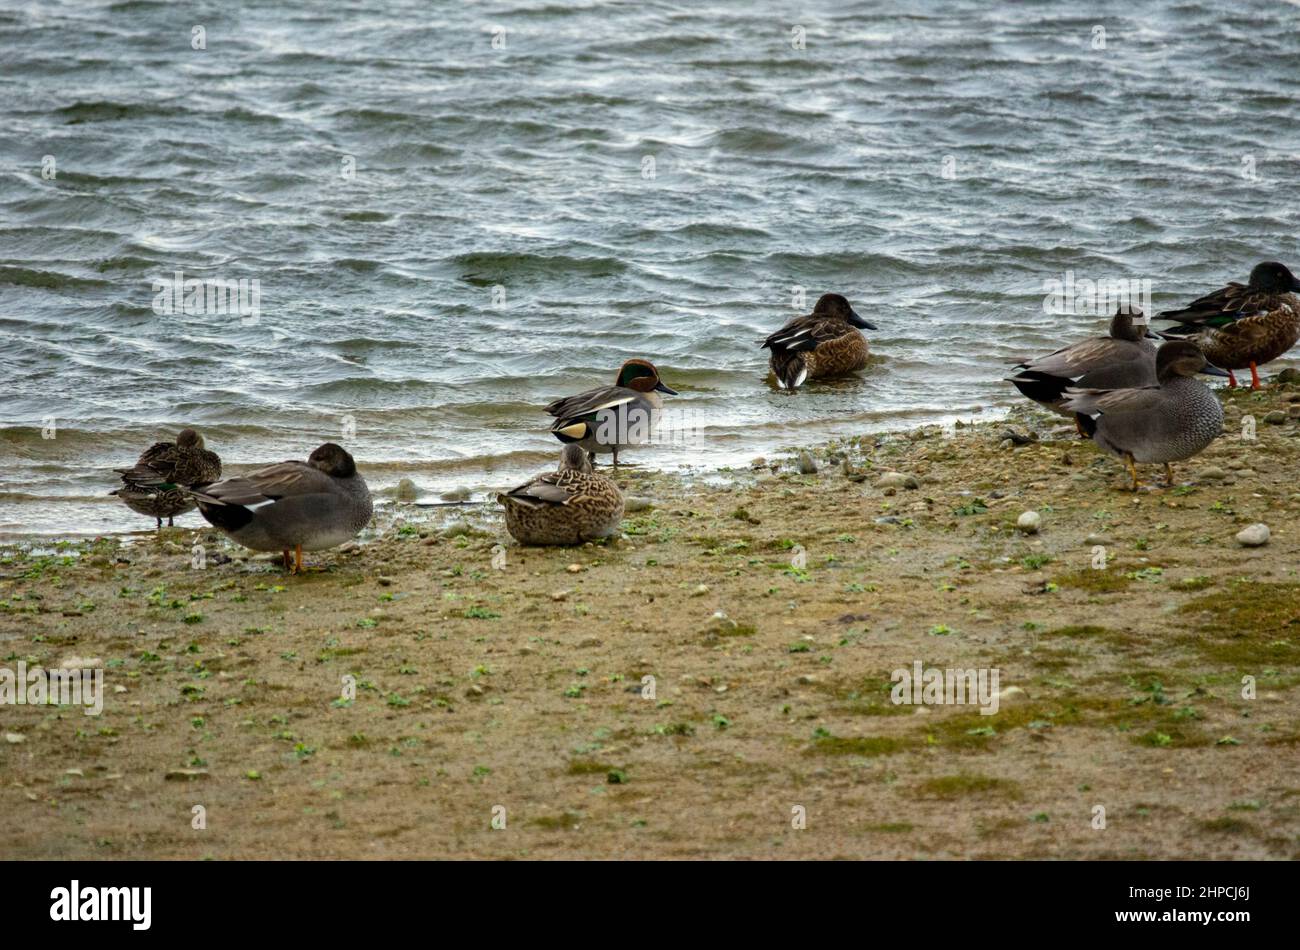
x=1168, y=422
x=820, y=345
x=1125, y=358
x=568, y=506
x=1243, y=325
x=610, y=418
x=155, y=485
x=292, y=506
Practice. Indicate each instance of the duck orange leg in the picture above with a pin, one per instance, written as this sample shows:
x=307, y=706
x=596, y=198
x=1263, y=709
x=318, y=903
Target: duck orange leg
x=1232, y=380
x=298, y=557
x=1254, y=376
x=1132, y=470
x=284, y=559
x=1169, y=475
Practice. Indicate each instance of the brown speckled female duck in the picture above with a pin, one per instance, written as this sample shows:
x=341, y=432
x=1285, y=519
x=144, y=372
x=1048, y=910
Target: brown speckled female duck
x=568, y=506
x=154, y=485
x=821, y=345
x=1243, y=325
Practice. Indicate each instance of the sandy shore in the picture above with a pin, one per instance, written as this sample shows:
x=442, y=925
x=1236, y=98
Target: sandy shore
x=770, y=608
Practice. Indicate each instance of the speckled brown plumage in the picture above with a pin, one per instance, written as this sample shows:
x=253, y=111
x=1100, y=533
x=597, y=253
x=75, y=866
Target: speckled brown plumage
x=153, y=486
x=1243, y=326
x=567, y=506
x=823, y=344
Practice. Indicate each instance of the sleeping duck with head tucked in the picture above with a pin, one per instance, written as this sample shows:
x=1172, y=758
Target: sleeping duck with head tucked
x=824, y=344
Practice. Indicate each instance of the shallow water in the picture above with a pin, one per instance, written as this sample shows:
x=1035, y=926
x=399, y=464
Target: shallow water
x=503, y=240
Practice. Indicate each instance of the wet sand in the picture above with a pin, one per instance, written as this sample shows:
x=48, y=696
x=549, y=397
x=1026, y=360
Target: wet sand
x=770, y=608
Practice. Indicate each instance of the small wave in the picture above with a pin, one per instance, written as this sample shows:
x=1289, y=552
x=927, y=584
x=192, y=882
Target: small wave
x=48, y=280
x=485, y=268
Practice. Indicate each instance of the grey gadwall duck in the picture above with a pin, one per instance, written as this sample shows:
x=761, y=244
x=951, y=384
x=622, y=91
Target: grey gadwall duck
x=293, y=506
x=823, y=344
x=155, y=485
x=1123, y=359
x=1165, y=423
x=1243, y=326
x=567, y=506
x=611, y=418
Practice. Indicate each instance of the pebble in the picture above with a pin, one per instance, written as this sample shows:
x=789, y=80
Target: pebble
x=1012, y=694
x=574, y=568
x=559, y=595
x=1275, y=418
x=406, y=490
x=897, y=480
x=1253, y=536
x=807, y=465
x=700, y=590
x=1029, y=522
x=1095, y=539
x=186, y=775
x=637, y=503
x=13, y=738
x=759, y=462
x=456, y=494
x=1289, y=375
x=1212, y=473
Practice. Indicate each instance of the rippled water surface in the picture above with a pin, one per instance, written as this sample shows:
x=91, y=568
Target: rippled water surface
x=448, y=234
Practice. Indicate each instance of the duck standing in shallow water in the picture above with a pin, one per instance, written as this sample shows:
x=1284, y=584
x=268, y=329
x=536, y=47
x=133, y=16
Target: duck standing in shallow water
x=567, y=506
x=1125, y=358
x=292, y=506
x=1169, y=422
x=821, y=345
x=1243, y=325
x=155, y=485
x=610, y=418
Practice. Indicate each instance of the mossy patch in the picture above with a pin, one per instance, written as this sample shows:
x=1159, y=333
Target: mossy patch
x=867, y=746
x=1106, y=581
x=950, y=787
x=1250, y=625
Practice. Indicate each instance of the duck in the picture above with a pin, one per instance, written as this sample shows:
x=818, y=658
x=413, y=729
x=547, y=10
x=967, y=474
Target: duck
x=1125, y=358
x=154, y=485
x=291, y=506
x=571, y=505
x=1243, y=326
x=608, y=419
x=824, y=344
x=1165, y=423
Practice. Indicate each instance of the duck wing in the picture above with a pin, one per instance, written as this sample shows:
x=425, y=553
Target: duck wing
x=155, y=466
x=1221, y=307
x=1093, y=401
x=593, y=400
x=1087, y=356
x=541, y=491
x=805, y=333
x=282, y=480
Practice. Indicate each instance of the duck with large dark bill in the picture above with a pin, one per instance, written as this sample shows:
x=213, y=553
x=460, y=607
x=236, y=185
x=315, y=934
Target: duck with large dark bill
x=825, y=344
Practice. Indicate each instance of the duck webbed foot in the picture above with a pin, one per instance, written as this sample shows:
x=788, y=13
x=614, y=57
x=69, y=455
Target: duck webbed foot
x=1132, y=470
x=1169, y=475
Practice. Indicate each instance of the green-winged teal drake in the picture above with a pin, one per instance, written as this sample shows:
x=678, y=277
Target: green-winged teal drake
x=155, y=485
x=292, y=506
x=1243, y=326
x=610, y=418
x=820, y=345
x=1168, y=422
x=568, y=506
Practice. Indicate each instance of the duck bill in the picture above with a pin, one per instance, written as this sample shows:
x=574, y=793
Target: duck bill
x=1212, y=370
x=857, y=321
x=661, y=388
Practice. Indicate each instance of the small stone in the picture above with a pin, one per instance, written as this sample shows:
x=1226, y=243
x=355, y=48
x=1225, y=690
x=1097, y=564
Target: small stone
x=1253, y=536
x=474, y=691
x=406, y=490
x=589, y=642
x=559, y=595
x=897, y=480
x=457, y=528
x=1212, y=473
x=1012, y=694
x=1095, y=539
x=574, y=568
x=455, y=494
x=807, y=465
x=1289, y=375
x=637, y=503
x=385, y=581
x=700, y=590
x=1275, y=418
x=1029, y=522
x=759, y=462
